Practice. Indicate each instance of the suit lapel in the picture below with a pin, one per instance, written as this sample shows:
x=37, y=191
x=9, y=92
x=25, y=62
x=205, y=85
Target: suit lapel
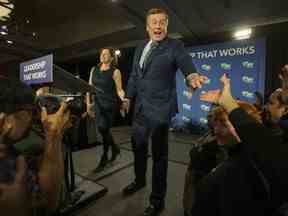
x=154, y=53
x=140, y=50
x=138, y=57
x=149, y=60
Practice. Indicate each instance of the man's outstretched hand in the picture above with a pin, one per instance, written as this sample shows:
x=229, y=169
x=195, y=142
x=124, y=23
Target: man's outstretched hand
x=125, y=105
x=195, y=80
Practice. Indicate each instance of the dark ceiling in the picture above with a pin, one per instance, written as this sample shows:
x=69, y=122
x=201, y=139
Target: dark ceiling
x=74, y=29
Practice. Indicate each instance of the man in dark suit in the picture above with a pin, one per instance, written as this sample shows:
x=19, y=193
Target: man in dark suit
x=152, y=83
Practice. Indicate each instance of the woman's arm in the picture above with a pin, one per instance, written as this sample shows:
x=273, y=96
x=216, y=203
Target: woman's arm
x=118, y=82
x=88, y=96
x=89, y=101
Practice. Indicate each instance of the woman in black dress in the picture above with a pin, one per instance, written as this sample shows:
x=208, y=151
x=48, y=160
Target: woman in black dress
x=106, y=77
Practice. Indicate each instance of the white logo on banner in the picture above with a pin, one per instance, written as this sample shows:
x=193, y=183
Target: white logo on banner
x=248, y=80
x=247, y=64
x=247, y=94
x=187, y=107
x=205, y=108
x=206, y=67
x=225, y=66
x=187, y=94
x=207, y=81
x=203, y=120
x=186, y=119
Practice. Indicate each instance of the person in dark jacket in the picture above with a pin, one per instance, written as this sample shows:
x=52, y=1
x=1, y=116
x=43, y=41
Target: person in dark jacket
x=152, y=84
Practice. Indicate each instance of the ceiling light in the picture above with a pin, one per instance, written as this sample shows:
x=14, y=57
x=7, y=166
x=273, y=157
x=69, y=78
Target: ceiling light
x=243, y=34
x=3, y=33
x=4, y=27
x=9, y=42
x=117, y=52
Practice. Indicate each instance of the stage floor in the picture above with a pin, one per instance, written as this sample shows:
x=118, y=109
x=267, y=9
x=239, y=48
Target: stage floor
x=113, y=204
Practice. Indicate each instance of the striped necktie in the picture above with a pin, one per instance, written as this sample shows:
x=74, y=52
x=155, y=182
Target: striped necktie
x=153, y=45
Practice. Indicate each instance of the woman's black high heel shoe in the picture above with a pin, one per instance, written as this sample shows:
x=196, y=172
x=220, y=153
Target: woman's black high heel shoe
x=103, y=162
x=115, y=153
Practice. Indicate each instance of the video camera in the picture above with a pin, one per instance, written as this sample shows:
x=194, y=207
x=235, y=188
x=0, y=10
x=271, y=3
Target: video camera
x=53, y=102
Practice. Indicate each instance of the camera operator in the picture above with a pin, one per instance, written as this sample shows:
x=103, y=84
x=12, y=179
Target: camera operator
x=26, y=188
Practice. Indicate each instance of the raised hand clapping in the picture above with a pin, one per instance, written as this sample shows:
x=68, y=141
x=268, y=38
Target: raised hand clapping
x=222, y=97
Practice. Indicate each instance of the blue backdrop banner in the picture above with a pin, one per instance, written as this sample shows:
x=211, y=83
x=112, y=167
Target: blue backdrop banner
x=243, y=61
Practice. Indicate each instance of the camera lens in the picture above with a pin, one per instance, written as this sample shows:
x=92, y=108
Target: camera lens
x=51, y=103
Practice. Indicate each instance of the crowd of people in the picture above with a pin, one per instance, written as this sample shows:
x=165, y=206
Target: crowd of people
x=31, y=154
x=251, y=178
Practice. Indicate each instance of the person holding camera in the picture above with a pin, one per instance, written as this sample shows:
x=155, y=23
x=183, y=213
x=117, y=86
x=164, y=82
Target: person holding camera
x=106, y=77
x=32, y=170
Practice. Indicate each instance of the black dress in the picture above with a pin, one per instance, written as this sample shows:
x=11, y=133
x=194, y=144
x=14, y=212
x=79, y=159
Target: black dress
x=104, y=106
x=106, y=100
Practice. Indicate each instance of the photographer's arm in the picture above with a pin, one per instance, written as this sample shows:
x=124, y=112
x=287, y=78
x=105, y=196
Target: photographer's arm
x=51, y=172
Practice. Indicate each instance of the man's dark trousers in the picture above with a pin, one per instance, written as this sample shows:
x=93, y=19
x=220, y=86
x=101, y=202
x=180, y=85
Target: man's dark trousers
x=143, y=128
